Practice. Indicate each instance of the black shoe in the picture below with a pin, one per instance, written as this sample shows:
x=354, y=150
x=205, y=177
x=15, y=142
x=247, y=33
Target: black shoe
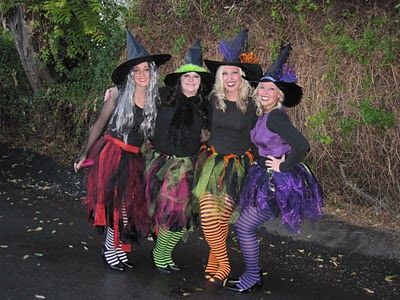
x=174, y=267
x=127, y=264
x=218, y=282
x=118, y=267
x=230, y=284
x=165, y=270
x=232, y=281
x=257, y=285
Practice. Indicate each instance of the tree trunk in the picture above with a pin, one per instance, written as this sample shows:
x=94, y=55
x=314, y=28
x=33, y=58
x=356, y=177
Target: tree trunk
x=17, y=22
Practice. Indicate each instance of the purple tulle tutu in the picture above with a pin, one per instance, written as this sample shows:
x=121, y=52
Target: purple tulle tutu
x=294, y=196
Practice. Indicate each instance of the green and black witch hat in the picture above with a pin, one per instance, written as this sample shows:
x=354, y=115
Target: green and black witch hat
x=136, y=55
x=235, y=54
x=193, y=62
x=284, y=78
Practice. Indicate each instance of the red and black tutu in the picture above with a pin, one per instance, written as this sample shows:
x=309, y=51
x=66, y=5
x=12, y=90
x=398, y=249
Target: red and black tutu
x=115, y=187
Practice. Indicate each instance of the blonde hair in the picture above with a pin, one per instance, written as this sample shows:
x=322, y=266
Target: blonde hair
x=219, y=91
x=260, y=110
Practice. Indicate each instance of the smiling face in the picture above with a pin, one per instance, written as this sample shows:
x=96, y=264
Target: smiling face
x=231, y=78
x=190, y=83
x=141, y=74
x=268, y=95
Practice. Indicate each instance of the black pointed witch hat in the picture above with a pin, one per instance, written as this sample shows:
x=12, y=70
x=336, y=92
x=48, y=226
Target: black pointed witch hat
x=193, y=62
x=235, y=54
x=284, y=78
x=136, y=55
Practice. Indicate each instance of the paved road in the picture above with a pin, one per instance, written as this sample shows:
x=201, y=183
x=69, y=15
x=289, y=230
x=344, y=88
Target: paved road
x=49, y=251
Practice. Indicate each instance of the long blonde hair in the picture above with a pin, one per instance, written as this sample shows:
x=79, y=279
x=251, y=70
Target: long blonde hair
x=219, y=92
x=260, y=110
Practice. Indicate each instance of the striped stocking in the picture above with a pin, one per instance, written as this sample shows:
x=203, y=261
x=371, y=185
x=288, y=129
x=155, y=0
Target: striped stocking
x=109, y=252
x=174, y=238
x=246, y=225
x=160, y=249
x=215, y=222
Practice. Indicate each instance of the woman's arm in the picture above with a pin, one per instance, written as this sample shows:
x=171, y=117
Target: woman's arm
x=110, y=100
x=279, y=123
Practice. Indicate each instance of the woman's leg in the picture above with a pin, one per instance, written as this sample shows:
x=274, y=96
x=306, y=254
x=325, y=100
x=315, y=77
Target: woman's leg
x=122, y=256
x=109, y=250
x=215, y=223
x=246, y=225
x=160, y=249
x=174, y=239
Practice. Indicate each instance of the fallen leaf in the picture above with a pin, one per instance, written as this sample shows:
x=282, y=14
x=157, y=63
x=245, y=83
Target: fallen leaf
x=353, y=274
x=389, y=278
x=272, y=246
x=301, y=250
x=368, y=290
x=26, y=256
x=318, y=259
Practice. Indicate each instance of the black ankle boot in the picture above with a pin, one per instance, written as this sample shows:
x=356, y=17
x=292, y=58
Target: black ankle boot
x=174, y=267
x=256, y=285
x=118, y=267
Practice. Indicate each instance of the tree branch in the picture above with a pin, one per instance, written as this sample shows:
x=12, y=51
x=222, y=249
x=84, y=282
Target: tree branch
x=370, y=199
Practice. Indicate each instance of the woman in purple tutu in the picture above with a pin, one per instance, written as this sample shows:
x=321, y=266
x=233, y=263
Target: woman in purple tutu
x=278, y=183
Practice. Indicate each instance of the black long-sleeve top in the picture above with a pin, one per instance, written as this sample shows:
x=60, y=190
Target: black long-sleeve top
x=230, y=130
x=178, y=126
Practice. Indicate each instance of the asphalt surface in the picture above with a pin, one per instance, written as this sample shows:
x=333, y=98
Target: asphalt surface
x=49, y=251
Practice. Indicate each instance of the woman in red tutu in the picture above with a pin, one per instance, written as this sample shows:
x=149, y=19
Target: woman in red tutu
x=114, y=182
x=169, y=164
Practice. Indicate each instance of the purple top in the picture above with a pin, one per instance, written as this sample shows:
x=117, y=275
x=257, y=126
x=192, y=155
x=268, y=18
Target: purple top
x=268, y=142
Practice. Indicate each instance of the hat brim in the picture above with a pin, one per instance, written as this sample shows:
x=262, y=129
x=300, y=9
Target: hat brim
x=207, y=79
x=119, y=74
x=253, y=71
x=293, y=92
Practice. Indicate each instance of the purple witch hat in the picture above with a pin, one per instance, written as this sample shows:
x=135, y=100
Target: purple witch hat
x=234, y=53
x=284, y=78
x=136, y=55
